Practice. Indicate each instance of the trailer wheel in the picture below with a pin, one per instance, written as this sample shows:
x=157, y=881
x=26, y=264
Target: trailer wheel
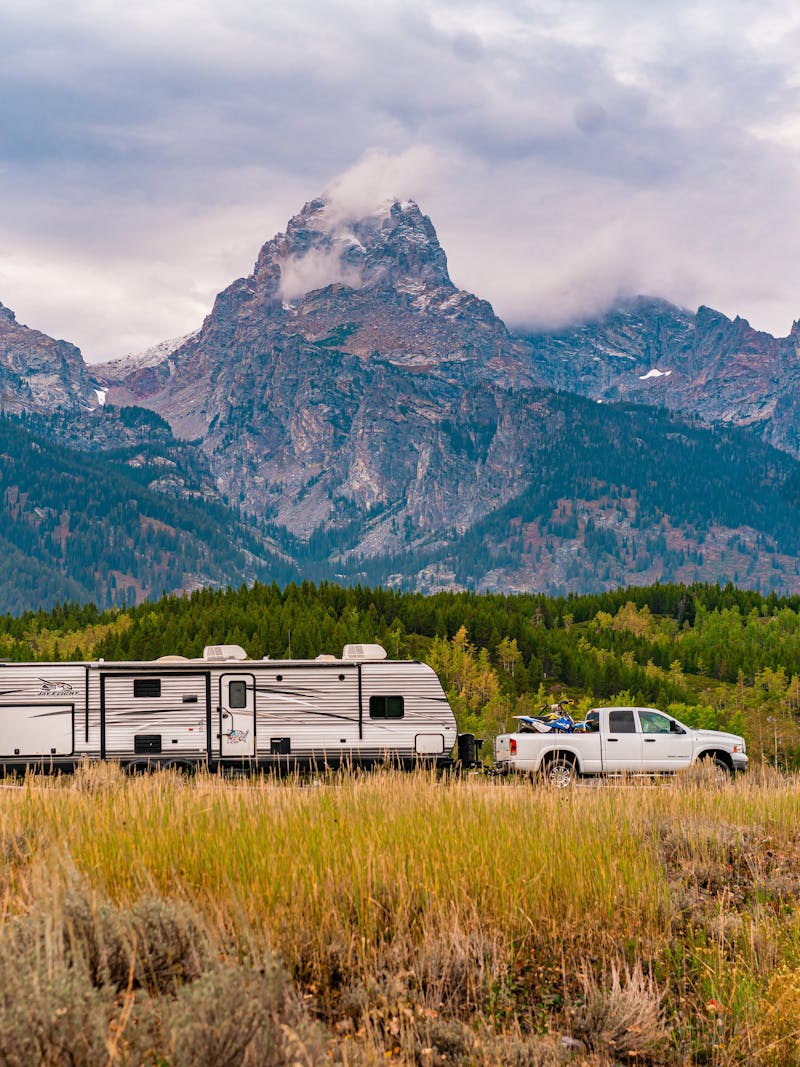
x=188, y=770
x=135, y=767
x=559, y=773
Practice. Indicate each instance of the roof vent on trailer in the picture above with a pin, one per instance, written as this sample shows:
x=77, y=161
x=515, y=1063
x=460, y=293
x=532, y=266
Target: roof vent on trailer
x=220, y=653
x=364, y=652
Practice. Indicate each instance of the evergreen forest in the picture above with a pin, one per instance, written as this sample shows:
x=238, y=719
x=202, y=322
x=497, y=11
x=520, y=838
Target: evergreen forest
x=112, y=528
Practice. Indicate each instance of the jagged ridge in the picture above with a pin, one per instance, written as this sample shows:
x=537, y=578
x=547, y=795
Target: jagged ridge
x=349, y=395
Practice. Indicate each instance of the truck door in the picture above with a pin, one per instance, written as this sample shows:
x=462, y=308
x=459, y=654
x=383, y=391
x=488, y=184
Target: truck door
x=622, y=741
x=237, y=715
x=666, y=745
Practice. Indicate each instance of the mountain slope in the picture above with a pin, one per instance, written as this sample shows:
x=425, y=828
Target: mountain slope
x=377, y=422
x=624, y=496
x=703, y=365
x=81, y=528
x=38, y=373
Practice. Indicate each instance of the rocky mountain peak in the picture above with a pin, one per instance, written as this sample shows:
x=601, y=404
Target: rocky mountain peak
x=38, y=373
x=709, y=318
x=394, y=246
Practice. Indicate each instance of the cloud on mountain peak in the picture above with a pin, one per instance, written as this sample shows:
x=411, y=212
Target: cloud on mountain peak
x=315, y=269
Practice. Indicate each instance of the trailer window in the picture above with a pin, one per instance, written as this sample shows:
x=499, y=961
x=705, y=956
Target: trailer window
x=237, y=694
x=386, y=708
x=621, y=722
x=147, y=687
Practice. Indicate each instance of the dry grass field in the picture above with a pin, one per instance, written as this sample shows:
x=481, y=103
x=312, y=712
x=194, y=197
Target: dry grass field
x=365, y=919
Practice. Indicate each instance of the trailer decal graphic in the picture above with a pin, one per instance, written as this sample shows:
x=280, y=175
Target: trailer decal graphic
x=236, y=736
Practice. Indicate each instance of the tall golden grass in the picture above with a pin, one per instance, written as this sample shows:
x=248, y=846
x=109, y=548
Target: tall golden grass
x=424, y=919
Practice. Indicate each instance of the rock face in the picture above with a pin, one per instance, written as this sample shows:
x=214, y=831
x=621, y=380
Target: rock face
x=701, y=365
x=372, y=422
x=39, y=374
x=331, y=383
x=385, y=425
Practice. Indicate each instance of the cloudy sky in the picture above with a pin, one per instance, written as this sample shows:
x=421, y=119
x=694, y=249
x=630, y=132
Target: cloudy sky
x=568, y=151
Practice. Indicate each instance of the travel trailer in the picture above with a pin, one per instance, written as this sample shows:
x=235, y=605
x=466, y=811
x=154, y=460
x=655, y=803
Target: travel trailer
x=225, y=711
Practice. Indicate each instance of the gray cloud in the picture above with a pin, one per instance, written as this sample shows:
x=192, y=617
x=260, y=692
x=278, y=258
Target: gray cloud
x=567, y=150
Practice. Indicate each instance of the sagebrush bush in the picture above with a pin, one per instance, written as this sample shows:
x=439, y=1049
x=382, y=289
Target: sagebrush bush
x=624, y=1016
x=50, y=1015
x=170, y=945
x=85, y=983
x=157, y=944
x=240, y=1015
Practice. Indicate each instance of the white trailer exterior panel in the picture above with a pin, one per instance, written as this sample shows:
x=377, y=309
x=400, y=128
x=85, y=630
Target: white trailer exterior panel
x=154, y=713
x=312, y=707
x=405, y=710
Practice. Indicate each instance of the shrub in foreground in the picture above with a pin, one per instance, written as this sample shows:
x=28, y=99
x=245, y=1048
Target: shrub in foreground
x=87, y=983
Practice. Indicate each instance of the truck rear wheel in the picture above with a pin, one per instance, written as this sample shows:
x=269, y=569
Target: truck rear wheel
x=559, y=773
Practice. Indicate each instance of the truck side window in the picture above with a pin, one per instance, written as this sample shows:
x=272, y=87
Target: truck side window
x=621, y=721
x=237, y=694
x=386, y=708
x=653, y=723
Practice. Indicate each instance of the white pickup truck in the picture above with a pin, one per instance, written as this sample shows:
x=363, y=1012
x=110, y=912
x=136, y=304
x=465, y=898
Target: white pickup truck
x=617, y=741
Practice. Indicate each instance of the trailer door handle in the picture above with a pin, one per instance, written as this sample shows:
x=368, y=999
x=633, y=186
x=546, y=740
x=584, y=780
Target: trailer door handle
x=613, y=739
x=649, y=740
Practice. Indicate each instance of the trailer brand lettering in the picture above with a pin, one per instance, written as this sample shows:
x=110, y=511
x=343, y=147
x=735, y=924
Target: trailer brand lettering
x=55, y=689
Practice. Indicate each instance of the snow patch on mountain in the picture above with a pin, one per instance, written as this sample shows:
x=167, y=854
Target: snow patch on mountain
x=654, y=373
x=135, y=361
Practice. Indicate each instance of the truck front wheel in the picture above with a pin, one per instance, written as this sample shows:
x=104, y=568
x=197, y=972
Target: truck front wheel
x=559, y=773
x=716, y=766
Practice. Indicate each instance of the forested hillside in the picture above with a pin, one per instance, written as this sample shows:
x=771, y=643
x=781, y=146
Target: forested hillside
x=110, y=529
x=715, y=657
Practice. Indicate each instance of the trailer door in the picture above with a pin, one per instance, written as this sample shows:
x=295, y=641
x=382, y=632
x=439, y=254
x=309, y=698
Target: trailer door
x=237, y=733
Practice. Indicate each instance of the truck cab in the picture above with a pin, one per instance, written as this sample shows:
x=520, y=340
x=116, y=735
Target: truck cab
x=615, y=741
